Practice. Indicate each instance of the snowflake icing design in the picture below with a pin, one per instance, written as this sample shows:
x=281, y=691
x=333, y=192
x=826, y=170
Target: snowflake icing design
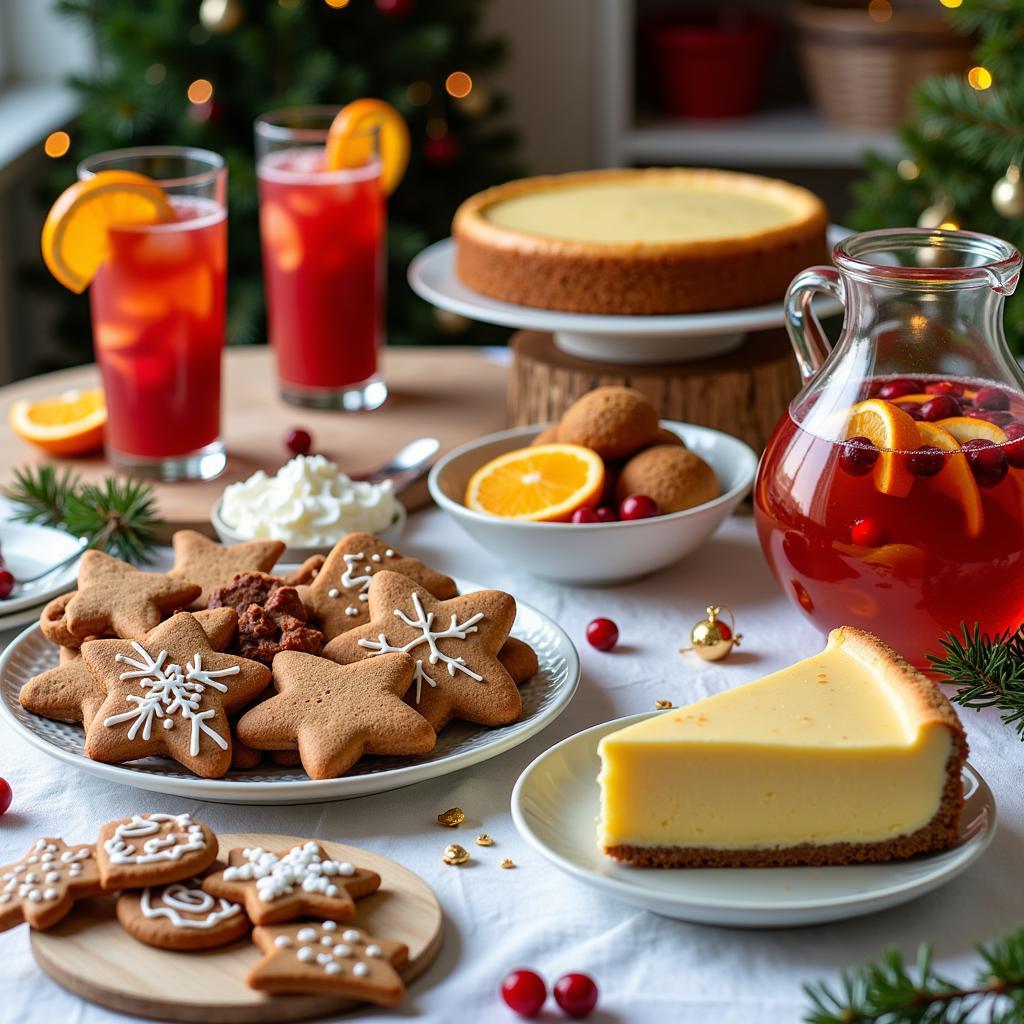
x=170, y=691
x=428, y=635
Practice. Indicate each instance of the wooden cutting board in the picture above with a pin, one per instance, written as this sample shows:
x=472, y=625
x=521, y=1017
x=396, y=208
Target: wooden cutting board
x=454, y=394
x=91, y=955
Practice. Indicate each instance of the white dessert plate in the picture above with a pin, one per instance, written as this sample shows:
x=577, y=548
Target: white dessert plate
x=28, y=550
x=615, y=339
x=555, y=808
x=459, y=745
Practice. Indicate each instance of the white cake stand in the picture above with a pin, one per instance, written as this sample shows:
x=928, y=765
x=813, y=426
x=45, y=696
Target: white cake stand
x=613, y=339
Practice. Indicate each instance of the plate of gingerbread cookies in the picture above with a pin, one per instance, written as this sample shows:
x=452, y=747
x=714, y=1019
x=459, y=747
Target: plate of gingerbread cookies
x=356, y=673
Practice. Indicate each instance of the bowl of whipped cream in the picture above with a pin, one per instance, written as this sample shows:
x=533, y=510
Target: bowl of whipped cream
x=309, y=504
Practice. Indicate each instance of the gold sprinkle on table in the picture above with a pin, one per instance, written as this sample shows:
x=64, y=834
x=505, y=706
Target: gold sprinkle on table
x=455, y=854
x=451, y=818
x=484, y=840
x=662, y=705
x=507, y=863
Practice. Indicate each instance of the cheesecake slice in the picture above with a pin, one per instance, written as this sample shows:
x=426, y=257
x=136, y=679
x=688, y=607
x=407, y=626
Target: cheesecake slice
x=847, y=756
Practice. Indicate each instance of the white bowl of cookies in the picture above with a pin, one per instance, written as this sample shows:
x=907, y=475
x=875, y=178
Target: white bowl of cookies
x=607, y=494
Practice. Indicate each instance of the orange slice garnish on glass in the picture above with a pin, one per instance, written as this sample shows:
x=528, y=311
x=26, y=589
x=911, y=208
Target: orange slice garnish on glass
x=350, y=140
x=955, y=479
x=74, y=241
x=543, y=484
x=68, y=424
x=891, y=430
x=967, y=428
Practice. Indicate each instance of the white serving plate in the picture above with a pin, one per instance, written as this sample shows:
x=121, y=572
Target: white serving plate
x=593, y=554
x=614, y=339
x=28, y=550
x=555, y=807
x=458, y=746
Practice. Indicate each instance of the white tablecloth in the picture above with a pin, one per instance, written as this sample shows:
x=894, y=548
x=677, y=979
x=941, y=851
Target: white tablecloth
x=649, y=968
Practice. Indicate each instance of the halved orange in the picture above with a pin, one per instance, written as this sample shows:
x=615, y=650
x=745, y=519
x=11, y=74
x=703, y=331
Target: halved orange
x=955, y=479
x=350, y=140
x=67, y=424
x=542, y=484
x=891, y=430
x=74, y=240
x=967, y=428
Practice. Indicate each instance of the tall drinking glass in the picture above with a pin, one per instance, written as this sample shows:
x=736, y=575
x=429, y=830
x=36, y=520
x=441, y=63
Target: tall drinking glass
x=323, y=235
x=158, y=318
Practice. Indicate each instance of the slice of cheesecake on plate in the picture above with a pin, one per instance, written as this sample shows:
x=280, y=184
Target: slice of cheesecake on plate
x=848, y=756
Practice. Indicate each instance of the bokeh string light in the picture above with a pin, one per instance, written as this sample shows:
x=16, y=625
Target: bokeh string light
x=979, y=78
x=57, y=144
x=458, y=84
x=200, y=91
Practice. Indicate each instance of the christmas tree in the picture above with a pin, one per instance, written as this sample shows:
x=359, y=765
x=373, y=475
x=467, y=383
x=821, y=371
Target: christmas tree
x=246, y=57
x=965, y=149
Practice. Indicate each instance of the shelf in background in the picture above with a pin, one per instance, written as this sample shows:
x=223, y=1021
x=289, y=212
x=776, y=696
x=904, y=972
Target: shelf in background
x=775, y=138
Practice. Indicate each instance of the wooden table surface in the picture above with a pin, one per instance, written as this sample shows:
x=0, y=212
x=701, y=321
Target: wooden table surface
x=454, y=394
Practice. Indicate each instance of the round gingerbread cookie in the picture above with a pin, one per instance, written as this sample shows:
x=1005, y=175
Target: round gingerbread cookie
x=181, y=916
x=153, y=849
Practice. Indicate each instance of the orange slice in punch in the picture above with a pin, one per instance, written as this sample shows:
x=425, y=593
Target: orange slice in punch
x=543, y=484
x=74, y=240
x=69, y=424
x=891, y=430
x=955, y=479
x=350, y=140
x=967, y=428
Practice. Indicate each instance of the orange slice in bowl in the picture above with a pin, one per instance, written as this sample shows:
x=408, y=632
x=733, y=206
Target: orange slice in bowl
x=350, y=140
x=542, y=484
x=891, y=430
x=967, y=428
x=68, y=424
x=74, y=240
x=955, y=479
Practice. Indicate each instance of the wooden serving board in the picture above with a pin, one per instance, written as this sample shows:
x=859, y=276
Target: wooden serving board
x=90, y=954
x=454, y=394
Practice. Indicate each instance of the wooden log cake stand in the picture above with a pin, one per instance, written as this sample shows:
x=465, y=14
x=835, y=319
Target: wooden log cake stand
x=743, y=393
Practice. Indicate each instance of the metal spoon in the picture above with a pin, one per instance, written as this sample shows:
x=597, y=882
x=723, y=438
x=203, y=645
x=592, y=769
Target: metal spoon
x=22, y=582
x=407, y=464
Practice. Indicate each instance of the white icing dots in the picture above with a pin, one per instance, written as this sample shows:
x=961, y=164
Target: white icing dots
x=326, y=940
x=329, y=926
x=346, y=869
x=351, y=935
x=283, y=942
x=375, y=558
x=351, y=611
x=374, y=950
x=389, y=552
x=302, y=867
x=342, y=949
x=333, y=967
x=334, y=592
x=324, y=958
x=360, y=970
x=305, y=954
x=167, y=837
x=307, y=935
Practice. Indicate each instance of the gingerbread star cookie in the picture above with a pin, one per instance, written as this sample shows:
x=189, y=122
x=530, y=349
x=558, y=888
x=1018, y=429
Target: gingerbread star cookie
x=180, y=916
x=455, y=644
x=299, y=882
x=339, y=596
x=520, y=660
x=212, y=565
x=153, y=849
x=334, y=713
x=324, y=958
x=113, y=597
x=41, y=888
x=169, y=695
x=307, y=572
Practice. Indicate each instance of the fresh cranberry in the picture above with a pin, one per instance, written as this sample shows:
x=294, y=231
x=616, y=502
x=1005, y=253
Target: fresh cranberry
x=941, y=407
x=988, y=462
x=991, y=398
x=926, y=461
x=524, y=992
x=943, y=387
x=604, y=514
x=602, y=634
x=6, y=583
x=1015, y=450
x=5, y=795
x=866, y=532
x=298, y=441
x=638, y=506
x=858, y=456
x=899, y=387
x=584, y=514
x=576, y=994
x=997, y=416
x=912, y=409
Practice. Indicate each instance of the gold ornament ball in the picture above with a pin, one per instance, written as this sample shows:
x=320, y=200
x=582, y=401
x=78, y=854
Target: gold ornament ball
x=221, y=16
x=712, y=639
x=1008, y=194
x=450, y=323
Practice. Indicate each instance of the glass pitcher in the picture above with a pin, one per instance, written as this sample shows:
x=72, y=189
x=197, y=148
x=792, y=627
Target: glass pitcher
x=891, y=495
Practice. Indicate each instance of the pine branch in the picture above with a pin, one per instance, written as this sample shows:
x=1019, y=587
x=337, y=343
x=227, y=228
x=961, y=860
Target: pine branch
x=39, y=494
x=891, y=992
x=988, y=672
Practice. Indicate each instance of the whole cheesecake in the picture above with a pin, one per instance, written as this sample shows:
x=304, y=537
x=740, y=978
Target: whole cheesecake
x=662, y=240
x=848, y=756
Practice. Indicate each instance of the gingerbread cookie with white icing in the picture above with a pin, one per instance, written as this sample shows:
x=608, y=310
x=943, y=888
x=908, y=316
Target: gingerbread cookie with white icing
x=339, y=596
x=326, y=958
x=153, y=849
x=42, y=887
x=300, y=882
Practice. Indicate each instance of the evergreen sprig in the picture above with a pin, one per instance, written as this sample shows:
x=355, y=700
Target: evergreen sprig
x=987, y=671
x=115, y=515
x=890, y=991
